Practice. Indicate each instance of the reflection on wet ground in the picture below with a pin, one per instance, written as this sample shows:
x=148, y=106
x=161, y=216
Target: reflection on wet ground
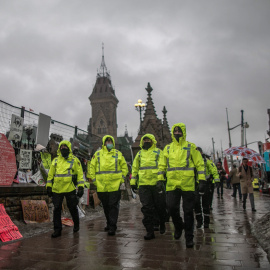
x=227, y=244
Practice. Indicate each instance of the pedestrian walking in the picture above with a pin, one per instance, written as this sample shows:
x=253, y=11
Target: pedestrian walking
x=64, y=175
x=235, y=181
x=108, y=168
x=202, y=202
x=151, y=190
x=180, y=159
x=222, y=177
x=246, y=178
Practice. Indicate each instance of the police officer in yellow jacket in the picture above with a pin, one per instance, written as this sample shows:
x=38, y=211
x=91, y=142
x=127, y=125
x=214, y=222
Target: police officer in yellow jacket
x=180, y=160
x=65, y=168
x=108, y=169
x=151, y=191
x=204, y=201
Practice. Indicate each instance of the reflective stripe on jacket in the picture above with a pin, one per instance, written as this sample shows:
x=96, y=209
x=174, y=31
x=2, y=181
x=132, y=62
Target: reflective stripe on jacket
x=179, y=161
x=62, y=170
x=145, y=165
x=107, y=168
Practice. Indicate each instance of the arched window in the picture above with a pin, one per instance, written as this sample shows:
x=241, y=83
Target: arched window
x=102, y=128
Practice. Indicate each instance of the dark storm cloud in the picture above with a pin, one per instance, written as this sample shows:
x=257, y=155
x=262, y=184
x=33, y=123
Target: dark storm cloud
x=200, y=57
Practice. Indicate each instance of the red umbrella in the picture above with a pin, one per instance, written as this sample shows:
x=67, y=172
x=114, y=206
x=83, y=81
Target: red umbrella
x=244, y=152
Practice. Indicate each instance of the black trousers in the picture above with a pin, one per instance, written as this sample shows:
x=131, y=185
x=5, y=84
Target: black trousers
x=235, y=188
x=173, y=205
x=202, y=204
x=220, y=188
x=153, y=203
x=212, y=190
x=111, y=203
x=72, y=202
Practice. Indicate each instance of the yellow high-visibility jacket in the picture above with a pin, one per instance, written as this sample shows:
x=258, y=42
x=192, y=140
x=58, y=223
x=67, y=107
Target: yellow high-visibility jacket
x=180, y=159
x=211, y=170
x=46, y=159
x=107, y=168
x=145, y=164
x=62, y=170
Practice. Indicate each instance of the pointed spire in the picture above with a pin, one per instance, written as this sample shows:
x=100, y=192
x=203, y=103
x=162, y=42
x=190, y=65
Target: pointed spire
x=126, y=131
x=150, y=108
x=149, y=89
x=164, y=112
x=165, y=121
x=103, y=72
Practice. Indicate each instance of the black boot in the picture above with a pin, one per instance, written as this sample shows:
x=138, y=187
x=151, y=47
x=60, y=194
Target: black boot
x=206, y=225
x=111, y=232
x=162, y=228
x=106, y=228
x=189, y=244
x=76, y=228
x=56, y=234
x=149, y=236
x=177, y=234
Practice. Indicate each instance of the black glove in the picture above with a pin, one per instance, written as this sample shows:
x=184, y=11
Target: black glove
x=49, y=191
x=80, y=192
x=202, y=187
x=133, y=188
x=160, y=186
x=217, y=184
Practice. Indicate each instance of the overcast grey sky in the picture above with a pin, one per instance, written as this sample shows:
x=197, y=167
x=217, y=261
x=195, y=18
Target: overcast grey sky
x=199, y=56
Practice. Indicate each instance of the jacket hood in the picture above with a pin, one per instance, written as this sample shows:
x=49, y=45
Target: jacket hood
x=104, y=139
x=67, y=143
x=183, y=127
x=151, y=137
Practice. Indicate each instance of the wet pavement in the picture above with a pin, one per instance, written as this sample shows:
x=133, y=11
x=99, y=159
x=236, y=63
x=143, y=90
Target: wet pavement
x=227, y=244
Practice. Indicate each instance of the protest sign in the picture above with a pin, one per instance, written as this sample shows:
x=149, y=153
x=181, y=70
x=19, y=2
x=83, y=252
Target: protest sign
x=35, y=211
x=8, y=230
x=22, y=177
x=44, y=122
x=96, y=199
x=85, y=197
x=38, y=178
x=8, y=166
x=16, y=128
x=26, y=159
x=28, y=175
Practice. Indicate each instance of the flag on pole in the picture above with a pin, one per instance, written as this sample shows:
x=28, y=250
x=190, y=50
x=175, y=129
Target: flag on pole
x=226, y=167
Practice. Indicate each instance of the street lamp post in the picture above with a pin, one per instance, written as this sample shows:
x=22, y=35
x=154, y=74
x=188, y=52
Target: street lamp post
x=244, y=126
x=29, y=131
x=140, y=107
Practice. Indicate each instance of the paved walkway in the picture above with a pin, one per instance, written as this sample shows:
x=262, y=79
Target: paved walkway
x=227, y=244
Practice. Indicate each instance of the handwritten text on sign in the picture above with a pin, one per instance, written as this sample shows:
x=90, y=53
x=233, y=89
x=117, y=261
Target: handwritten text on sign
x=35, y=211
x=26, y=159
x=8, y=167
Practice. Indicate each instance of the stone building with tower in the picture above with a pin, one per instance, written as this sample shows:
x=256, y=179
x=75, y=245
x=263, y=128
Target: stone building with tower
x=152, y=124
x=104, y=103
x=103, y=122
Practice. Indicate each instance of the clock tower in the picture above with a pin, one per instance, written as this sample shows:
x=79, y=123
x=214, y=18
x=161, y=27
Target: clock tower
x=104, y=104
